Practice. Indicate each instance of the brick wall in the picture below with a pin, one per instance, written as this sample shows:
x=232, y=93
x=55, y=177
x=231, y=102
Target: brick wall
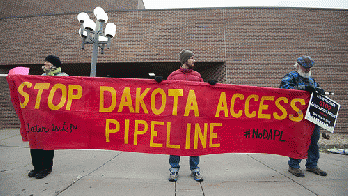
x=22, y=8
x=257, y=45
x=8, y=118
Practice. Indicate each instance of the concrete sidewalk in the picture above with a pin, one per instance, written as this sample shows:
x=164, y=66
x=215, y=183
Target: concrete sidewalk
x=103, y=172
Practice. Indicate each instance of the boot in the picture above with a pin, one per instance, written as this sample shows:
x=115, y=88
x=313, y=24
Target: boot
x=317, y=171
x=33, y=173
x=296, y=172
x=43, y=173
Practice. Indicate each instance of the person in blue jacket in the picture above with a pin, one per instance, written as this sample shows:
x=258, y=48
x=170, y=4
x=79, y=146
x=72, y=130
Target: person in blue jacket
x=301, y=79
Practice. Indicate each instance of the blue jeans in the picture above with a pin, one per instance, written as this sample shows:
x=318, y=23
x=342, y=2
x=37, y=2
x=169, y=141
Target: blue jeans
x=313, y=152
x=175, y=160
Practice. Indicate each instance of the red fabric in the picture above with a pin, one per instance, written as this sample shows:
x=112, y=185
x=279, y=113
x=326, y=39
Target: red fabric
x=182, y=118
x=189, y=76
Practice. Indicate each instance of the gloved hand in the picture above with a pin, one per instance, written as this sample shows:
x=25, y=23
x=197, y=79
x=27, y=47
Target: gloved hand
x=212, y=82
x=320, y=91
x=158, y=79
x=310, y=89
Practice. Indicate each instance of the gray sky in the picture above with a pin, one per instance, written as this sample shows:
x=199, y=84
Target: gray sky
x=172, y=4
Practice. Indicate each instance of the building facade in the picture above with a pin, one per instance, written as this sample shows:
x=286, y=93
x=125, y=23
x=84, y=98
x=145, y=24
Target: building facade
x=243, y=45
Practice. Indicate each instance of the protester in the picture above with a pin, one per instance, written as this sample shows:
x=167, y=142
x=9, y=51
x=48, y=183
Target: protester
x=301, y=79
x=184, y=73
x=53, y=67
x=42, y=160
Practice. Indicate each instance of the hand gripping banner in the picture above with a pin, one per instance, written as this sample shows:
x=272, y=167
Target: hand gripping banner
x=173, y=117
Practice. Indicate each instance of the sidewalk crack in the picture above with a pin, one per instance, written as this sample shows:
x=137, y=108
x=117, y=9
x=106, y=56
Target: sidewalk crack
x=283, y=175
x=175, y=189
x=202, y=188
x=81, y=177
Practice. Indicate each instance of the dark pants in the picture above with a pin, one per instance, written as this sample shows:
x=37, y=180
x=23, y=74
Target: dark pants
x=42, y=159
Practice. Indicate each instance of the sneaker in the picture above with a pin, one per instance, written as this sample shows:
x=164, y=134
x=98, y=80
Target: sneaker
x=317, y=171
x=197, y=175
x=33, y=173
x=296, y=172
x=174, y=173
x=43, y=173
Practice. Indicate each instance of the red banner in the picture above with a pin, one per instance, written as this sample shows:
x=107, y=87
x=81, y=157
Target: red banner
x=173, y=117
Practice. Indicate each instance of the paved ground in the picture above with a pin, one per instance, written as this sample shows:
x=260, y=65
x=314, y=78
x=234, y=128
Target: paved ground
x=102, y=172
x=339, y=141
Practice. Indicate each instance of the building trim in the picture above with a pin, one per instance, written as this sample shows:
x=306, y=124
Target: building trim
x=179, y=9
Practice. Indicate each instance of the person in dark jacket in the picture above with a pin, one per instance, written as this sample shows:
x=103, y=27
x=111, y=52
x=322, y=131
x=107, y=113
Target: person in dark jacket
x=185, y=72
x=53, y=67
x=301, y=79
x=42, y=160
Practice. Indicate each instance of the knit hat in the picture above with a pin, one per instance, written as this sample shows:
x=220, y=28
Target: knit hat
x=185, y=55
x=54, y=60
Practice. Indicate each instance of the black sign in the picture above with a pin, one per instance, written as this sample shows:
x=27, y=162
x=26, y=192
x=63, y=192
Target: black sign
x=322, y=111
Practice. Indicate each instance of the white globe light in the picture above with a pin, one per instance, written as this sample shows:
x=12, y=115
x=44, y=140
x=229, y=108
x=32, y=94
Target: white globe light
x=110, y=29
x=89, y=24
x=98, y=10
x=82, y=17
x=102, y=17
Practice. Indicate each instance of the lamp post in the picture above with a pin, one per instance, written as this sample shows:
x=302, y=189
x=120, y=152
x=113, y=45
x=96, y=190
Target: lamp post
x=92, y=33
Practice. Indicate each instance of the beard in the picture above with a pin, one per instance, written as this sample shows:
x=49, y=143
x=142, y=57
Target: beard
x=304, y=74
x=189, y=66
